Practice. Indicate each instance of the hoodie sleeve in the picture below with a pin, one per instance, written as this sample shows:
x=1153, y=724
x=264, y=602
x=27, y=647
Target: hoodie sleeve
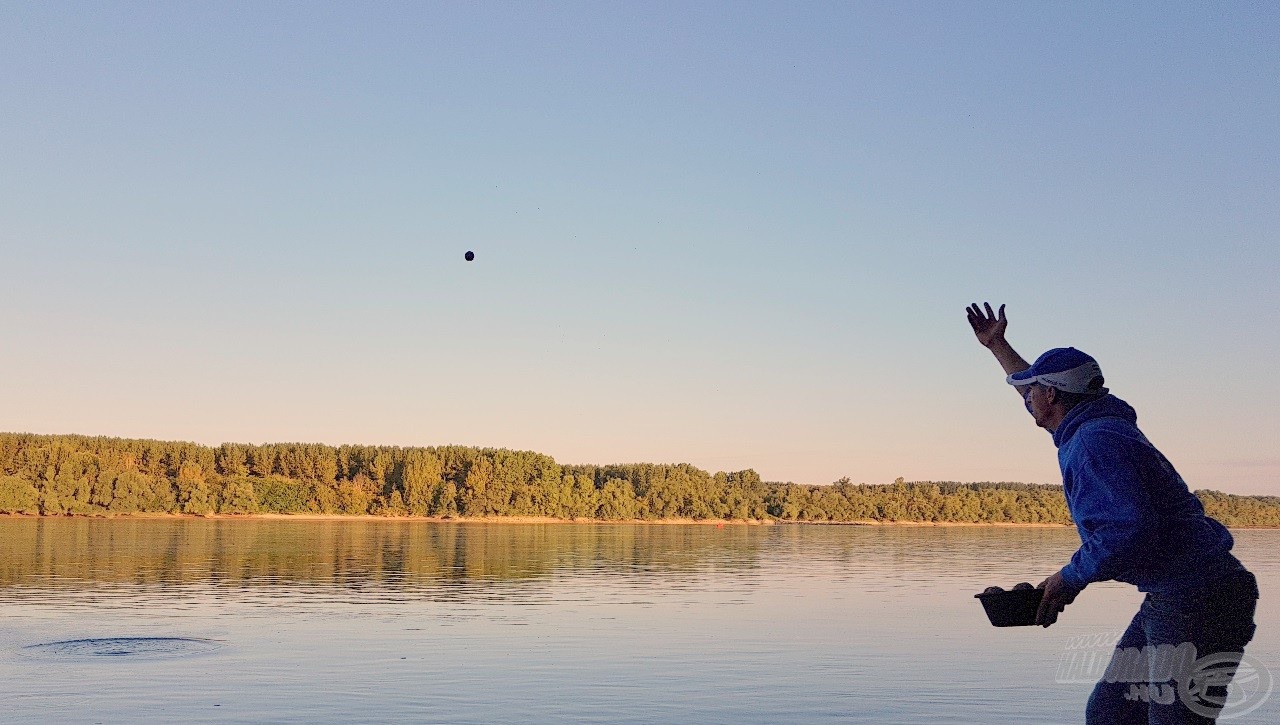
x=1111, y=506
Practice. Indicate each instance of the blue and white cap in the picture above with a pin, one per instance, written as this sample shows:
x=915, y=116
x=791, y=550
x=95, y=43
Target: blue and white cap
x=1064, y=368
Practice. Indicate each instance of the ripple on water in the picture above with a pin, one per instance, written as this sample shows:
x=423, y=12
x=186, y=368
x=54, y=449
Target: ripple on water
x=131, y=647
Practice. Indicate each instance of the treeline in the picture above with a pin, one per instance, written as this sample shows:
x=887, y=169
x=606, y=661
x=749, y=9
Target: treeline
x=1241, y=510
x=80, y=475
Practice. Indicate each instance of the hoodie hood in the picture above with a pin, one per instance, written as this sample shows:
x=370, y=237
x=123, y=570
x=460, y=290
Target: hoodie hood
x=1108, y=406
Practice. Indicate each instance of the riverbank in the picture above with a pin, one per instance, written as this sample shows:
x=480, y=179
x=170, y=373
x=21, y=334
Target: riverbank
x=417, y=519
x=536, y=520
x=966, y=524
x=500, y=520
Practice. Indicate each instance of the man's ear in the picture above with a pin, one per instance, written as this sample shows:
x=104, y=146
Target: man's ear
x=1050, y=394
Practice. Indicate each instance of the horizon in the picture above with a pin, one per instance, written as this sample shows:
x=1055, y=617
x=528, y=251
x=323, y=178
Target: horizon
x=736, y=235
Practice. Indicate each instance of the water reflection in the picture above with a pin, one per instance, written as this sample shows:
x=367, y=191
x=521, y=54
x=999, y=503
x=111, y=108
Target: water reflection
x=96, y=558
x=131, y=562
x=127, y=562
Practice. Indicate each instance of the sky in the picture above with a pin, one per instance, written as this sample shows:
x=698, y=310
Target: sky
x=737, y=235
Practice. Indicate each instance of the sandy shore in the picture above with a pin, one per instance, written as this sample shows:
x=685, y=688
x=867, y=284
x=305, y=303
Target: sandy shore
x=521, y=520
x=871, y=522
x=428, y=519
x=553, y=520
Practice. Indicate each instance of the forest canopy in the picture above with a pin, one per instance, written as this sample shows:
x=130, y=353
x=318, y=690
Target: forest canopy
x=83, y=475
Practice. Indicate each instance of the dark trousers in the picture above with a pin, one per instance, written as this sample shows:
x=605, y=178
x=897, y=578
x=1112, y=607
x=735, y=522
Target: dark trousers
x=1173, y=663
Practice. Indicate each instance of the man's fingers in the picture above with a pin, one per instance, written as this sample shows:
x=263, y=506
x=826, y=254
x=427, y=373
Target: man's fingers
x=984, y=313
x=1048, y=613
x=975, y=320
x=1050, y=608
x=1058, y=608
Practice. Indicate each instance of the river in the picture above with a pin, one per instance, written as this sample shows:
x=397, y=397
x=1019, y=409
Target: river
x=165, y=620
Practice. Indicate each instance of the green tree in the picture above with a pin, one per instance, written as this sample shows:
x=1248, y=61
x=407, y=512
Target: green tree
x=262, y=461
x=617, y=501
x=232, y=460
x=193, y=490
x=102, y=488
x=238, y=496
x=475, y=490
x=421, y=478
x=18, y=496
x=444, y=500
x=131, y=491
x=355, y=497
x=280, y=495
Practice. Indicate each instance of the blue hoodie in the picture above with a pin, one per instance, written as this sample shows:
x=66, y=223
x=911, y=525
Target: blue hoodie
x=1138, y=521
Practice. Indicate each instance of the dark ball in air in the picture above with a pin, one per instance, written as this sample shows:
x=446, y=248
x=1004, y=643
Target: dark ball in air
x=470, y=255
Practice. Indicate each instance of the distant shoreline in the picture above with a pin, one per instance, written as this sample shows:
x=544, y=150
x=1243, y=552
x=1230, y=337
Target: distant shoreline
x=963, y=524
x=74, y=475
x=499, y=520
x=517, y=520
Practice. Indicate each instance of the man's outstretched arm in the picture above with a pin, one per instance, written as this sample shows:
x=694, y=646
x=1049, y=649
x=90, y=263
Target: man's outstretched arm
x=989, y=327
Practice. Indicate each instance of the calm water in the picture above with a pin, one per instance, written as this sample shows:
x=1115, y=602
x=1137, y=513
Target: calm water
x=304, y=621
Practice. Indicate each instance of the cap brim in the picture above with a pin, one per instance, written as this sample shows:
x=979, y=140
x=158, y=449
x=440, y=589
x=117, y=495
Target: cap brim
x=1025, y=377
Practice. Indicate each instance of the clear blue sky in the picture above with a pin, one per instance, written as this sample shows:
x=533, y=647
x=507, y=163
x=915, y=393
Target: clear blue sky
x=732, y=234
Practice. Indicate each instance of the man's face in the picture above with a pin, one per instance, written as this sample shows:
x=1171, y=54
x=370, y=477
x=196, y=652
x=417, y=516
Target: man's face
x=1035, y=397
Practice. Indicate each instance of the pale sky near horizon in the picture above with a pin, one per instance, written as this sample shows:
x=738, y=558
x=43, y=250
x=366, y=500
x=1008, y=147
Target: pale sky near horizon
x=738, y=235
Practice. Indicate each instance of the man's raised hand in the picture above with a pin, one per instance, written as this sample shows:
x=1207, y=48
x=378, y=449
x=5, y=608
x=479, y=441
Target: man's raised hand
x=987, y=326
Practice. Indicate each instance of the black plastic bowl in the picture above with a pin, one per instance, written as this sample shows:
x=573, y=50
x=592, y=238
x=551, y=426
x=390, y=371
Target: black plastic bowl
x=1012, y=608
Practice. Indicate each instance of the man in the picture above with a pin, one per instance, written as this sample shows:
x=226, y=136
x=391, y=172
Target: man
x=1138, y=523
